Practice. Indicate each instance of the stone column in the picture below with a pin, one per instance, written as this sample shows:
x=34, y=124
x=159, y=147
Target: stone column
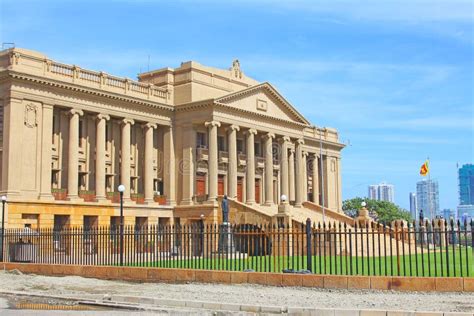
x=315, y=179
x=187, y=164
x=232, y=171
x=169, y=166
x=46, y=145
x=148, y=166
x=291, y=174
x=100, y=157
x=269, y=169
x=73, y=155
x=125, y=157
x=299, y=173
x=212, y=163
x=305, y=176
x=250, y=175
x=285, y=186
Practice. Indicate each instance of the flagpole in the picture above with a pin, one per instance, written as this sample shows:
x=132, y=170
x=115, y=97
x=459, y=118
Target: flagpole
x=429, y=189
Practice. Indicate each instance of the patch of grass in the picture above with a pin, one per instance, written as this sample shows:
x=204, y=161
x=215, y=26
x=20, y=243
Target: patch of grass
x=459, y=262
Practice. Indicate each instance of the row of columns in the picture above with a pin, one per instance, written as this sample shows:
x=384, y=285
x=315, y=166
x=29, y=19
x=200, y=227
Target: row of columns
x=293, y=171
x=100, y=174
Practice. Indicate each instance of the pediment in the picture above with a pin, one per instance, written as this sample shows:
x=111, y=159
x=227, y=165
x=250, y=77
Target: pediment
x=263, y=99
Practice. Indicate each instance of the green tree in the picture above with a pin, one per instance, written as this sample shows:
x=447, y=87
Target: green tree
x=381, y=211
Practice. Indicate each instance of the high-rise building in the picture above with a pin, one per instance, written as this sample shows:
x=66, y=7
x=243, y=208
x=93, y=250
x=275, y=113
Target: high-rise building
x=427, y=197
x=382, y=192
x=466, y=192
x=466, y=184
x=413, y=206
x=373, y=192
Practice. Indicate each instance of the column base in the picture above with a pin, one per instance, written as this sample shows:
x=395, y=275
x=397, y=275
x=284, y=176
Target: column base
x=187, y=202
x=250, y=202
x=74, y=198
x=268, y=204
x=46, y=197
x=102, y=200
x=298, y=205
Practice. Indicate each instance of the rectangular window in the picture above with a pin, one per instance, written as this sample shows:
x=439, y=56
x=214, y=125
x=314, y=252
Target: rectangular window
x=220, y=143
x=201, y=140
x=55, y=179
x=240, y=146
x=81, y=132
x=258, y=152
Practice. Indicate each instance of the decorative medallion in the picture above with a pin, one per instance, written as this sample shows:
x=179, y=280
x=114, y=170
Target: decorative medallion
x=261, y=105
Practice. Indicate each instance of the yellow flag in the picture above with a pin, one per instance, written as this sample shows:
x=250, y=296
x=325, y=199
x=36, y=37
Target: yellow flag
x=424, y=170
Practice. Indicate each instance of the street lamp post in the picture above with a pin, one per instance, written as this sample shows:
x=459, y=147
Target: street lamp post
x=121, y=189
x=4, y=200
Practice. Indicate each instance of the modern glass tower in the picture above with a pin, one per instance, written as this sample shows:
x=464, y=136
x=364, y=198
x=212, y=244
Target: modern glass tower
x=427, y=197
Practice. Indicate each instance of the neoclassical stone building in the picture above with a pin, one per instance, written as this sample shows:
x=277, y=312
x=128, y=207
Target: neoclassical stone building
x=176, y=138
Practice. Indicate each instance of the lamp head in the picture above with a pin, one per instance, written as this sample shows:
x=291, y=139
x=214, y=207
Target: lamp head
x=121, y=188
x=4, y=198
x=363, y=204
x=283, y=198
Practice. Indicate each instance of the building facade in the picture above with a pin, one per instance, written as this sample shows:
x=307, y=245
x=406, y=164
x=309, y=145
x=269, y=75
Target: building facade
x=382, y=192
x=176, y=138
x=427, y=197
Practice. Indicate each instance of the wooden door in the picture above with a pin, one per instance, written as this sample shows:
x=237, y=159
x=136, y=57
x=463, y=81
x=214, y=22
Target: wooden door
x=257, y=190
x=200, y=185
x=220, y=185
x=239, y=189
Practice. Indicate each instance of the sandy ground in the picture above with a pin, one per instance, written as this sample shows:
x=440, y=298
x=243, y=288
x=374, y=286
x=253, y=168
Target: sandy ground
x=243, y=294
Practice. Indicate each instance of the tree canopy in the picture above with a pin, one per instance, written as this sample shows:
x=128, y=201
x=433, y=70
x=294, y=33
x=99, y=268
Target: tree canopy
x=380, y=211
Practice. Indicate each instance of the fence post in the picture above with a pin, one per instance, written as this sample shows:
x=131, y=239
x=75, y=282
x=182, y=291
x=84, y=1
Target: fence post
x=309, y=257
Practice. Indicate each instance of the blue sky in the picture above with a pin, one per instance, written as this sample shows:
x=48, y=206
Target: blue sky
x=394, y=77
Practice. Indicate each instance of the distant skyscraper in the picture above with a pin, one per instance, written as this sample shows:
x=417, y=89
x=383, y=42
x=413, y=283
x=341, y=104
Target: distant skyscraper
x=466, y=192
x=382, y=192
x=466, y=184
x=427, y=197
x=373, y=192
x=413, y=206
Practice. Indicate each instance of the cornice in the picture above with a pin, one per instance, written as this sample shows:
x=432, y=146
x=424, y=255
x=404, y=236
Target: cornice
x=91, y=91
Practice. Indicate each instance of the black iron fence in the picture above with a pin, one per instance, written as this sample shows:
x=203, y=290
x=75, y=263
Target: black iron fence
x=435, y=248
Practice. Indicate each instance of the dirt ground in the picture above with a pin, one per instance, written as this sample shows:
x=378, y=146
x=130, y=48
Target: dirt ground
x=240, y=294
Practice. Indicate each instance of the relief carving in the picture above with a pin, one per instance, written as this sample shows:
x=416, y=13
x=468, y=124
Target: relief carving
x=31, y=119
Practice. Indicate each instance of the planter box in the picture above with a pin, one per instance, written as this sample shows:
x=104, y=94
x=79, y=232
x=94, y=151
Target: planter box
x=160, y=199
x=59, y=194
x=88, y=196
x=114, y=197
x=138, y=198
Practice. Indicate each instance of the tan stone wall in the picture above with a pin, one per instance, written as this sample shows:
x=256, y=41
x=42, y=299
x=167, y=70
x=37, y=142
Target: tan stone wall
x=133, y=274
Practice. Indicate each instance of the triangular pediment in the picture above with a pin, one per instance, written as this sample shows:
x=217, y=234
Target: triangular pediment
x=263, y=99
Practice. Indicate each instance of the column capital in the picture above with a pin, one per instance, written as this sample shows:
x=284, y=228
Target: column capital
x=47, y=105
x=150, y=125
x=269, y=135
x=103, y=117
x=75, y=111
x=212, y=124
x=127, y=121
x=305, y=153
x=285, y=139
x=292, y=150
x=233, y=127
x=316, y=155
x=300, y=141
x=251, y=131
